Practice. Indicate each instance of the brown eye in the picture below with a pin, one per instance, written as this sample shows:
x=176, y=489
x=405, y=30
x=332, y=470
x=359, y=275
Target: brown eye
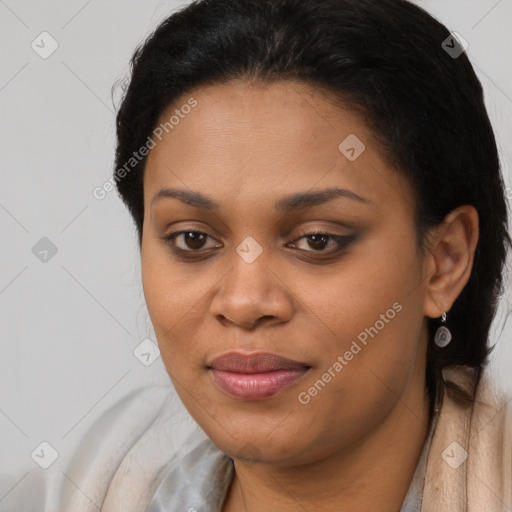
x=318, y=242
x=188, y=240
x=191, y=243
x=194, y=240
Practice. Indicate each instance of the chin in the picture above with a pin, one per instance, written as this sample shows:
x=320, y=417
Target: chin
x=247, y=441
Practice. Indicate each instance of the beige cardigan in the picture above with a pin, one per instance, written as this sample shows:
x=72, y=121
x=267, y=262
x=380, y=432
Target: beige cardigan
x=469, y=466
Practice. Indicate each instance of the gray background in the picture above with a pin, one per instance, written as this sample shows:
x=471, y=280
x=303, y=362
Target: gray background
x=69, y=325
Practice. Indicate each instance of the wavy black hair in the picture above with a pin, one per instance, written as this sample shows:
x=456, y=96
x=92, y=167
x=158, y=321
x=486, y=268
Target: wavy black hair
x=390, y=61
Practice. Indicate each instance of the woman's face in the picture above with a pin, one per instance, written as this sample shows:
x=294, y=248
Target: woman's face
x=253, y=166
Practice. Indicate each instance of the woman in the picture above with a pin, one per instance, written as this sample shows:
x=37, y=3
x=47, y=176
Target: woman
x=322, y=223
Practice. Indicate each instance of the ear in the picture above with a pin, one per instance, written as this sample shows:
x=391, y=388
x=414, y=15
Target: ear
x=450, y=259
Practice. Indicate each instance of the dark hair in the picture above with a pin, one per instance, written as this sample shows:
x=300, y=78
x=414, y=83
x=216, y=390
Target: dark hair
x=384, y=59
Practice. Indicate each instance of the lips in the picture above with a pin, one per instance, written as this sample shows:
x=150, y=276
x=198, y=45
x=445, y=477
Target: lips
x=255, y=376
x=259, y=362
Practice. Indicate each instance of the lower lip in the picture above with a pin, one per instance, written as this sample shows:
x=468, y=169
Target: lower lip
x=256, y=386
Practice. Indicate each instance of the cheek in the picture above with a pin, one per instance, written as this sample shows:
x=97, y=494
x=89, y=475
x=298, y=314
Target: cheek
x=367, y=290
x=372, y=359
x=177, y=302
x=166, y=297
x=174, y=302
x=373, y=311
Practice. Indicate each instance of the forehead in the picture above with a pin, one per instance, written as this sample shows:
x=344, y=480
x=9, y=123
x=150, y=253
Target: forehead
x=243, y=139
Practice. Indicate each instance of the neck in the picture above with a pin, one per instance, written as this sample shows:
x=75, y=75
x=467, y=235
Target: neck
x=377, y=469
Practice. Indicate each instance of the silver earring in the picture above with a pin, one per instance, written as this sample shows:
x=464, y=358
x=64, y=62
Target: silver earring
x=443, y=335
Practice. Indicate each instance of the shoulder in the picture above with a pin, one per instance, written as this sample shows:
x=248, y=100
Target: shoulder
x=470, y=461
x=491, y=445
x=492, y=408
x=138, y=419
x=80, y=483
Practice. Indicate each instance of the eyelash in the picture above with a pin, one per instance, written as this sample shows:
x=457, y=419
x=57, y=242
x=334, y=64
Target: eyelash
x=342, y=242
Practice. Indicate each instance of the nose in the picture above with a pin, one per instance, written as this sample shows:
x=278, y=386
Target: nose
x=253, y=293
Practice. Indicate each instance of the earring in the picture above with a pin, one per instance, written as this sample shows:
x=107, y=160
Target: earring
x=443, y=335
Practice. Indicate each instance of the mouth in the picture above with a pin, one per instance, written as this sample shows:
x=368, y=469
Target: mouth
x=255, y=376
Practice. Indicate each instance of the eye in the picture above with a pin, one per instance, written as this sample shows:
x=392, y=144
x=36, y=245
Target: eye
x=318, y=241
x=194, y=242
x=188, y=241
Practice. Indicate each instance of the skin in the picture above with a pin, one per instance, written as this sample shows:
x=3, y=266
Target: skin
x=357, y=442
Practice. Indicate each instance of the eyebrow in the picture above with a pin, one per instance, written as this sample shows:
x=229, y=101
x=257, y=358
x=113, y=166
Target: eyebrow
x=299, y=200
